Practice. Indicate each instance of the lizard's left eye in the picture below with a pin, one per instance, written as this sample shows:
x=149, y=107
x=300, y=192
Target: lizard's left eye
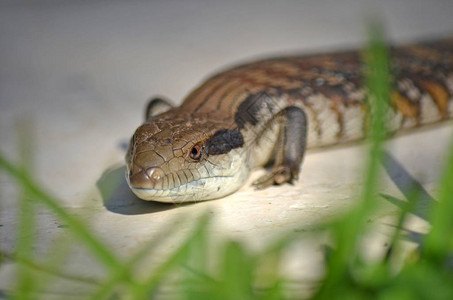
x=195, y=152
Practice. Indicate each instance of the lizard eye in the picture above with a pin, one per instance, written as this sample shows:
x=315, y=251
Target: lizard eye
x=195, y=152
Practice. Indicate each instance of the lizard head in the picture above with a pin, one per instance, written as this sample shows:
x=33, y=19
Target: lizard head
x=177, y=157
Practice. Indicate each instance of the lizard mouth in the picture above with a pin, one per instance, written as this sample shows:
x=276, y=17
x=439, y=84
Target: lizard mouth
x=206, y=188
x=184, y=185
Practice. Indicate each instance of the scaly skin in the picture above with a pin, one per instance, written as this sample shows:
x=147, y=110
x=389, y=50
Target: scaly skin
x=207, y=147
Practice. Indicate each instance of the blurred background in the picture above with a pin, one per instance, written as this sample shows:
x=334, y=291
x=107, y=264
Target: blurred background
x=80, y=73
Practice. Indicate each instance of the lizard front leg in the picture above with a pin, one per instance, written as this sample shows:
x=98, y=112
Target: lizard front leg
x=289, y=148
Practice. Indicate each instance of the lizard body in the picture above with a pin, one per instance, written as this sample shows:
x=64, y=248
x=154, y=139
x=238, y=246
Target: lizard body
x=271, y=111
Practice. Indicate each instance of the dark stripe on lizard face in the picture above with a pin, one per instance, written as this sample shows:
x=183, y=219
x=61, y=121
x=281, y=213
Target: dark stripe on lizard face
x=223, y=141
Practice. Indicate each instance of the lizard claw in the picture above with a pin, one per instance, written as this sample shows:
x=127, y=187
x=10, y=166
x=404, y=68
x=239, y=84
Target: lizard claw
x=277, y=176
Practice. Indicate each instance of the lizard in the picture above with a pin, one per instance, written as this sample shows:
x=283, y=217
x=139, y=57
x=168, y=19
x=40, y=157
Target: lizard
x=268, y=112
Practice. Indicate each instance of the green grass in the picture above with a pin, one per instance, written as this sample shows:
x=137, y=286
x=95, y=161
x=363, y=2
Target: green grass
x=193, y=271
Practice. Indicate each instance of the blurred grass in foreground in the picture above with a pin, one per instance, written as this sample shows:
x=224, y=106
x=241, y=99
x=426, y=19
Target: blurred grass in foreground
x=240, y=274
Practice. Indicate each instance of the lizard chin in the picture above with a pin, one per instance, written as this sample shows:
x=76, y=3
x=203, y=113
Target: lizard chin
x=197, y=190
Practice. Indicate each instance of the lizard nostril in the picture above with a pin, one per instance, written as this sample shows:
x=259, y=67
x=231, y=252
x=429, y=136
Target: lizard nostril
x=150, y=178
x=155, y=174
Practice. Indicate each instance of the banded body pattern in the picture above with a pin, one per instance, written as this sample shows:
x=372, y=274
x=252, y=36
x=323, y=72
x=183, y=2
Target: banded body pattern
x=330, y=88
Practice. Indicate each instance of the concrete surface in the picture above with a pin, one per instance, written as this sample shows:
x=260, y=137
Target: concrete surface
x=80, y=73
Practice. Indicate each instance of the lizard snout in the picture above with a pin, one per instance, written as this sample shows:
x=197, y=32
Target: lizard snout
x=150, y=178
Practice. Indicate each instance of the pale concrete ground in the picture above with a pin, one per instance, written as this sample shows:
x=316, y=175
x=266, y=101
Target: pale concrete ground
x=80, y=73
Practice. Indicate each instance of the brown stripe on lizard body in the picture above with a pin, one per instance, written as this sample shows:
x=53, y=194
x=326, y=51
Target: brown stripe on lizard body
x=439, y=94
x=198, y=98
x=221, y=92
x=408, y=108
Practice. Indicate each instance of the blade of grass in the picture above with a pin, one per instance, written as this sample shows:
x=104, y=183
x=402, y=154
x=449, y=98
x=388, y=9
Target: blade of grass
x=94, y=244
x=25, y=281
x=377, y=78
x=149, y=286
x=270, y=283
x=236, y=273
x=105, y=290
x=33, y=265
x=439, y=241
x=346, y=233
x=241, y=274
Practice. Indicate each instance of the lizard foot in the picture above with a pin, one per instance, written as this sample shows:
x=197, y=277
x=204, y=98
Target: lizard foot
x=277, y=176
